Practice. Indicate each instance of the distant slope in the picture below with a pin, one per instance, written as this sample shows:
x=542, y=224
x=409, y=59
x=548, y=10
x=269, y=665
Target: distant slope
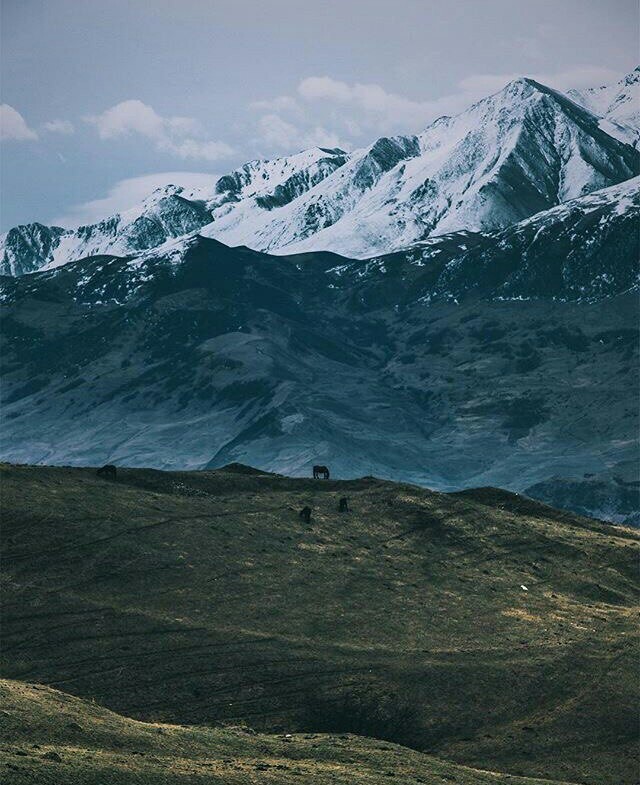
x=521, y=151
x=49, y=736
x=503, y=359
x=618, y=102
x=483, y=628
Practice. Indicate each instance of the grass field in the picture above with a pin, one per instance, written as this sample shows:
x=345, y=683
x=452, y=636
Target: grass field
x=51, y=737
x=480, y=628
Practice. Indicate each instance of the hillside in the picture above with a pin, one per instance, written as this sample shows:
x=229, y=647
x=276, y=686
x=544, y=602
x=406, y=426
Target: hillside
x=504, y=359
x=482, y=628
x=53, y=737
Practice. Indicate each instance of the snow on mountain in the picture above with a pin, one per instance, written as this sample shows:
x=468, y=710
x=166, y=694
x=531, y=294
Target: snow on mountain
x=277, y=182
x=618, y=102
x=24, y=249
x=523, y=150
x=168, y=212
x=162, y=215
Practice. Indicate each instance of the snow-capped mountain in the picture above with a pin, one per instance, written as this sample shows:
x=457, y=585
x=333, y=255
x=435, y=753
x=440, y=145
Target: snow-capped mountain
x=525, y=149
x=618, y=102
x=166, y=213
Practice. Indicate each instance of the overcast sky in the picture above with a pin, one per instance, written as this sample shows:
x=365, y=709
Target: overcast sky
x=104, y=100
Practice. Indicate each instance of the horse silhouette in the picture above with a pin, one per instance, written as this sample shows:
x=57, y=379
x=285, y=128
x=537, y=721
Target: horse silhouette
x=305, y=514
x=108, y=471
x=319, y=471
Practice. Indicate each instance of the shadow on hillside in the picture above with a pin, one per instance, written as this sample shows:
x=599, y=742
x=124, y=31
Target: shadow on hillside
x=371, y=710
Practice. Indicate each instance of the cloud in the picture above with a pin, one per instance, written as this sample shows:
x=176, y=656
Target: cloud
x=315, y=87
x=13, y=125
x=343, y=114
x=278, y=104
x=331, y=112
x=180, y=136
x=283, y=135
x=370, y=104
x=127, y=193
x=59, y=127
x=576, y=77
x=193, y=148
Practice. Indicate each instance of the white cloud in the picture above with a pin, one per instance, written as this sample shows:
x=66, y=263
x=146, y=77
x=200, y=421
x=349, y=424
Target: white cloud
x=370, y=106
x=283, y=135
x=331, y=112
x=278, y=104
x=315, y=87
x=59, y=127
x=13, y=125
x=126, y=118
x=180, y=136
x=127, y=193
x=194, y=148
x=576, y=77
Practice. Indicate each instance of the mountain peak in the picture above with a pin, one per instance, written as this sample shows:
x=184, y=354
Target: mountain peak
x=524, y=149
x=165, y=190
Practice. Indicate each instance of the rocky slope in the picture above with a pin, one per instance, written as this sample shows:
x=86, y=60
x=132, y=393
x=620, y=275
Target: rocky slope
x=518, y=152
x=504, y=359
x=511, y=155
x=163, y=215
x=169, y=212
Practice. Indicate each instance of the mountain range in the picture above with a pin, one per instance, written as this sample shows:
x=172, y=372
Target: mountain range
x=523, y=150
x=458, y=311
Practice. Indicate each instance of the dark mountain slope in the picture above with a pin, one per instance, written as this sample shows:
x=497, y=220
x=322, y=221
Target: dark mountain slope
x=469, y=359
x=505, y=359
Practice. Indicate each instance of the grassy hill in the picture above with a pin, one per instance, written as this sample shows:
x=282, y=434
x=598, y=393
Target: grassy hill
x=51, y=737
x=479, y=627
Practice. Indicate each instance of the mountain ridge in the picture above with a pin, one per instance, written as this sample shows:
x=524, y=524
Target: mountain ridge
x=520, y=151
x=618, y=102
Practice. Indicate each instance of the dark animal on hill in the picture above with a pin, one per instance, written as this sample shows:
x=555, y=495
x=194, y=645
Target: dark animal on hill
x=305, y=514
x=108, y=471
x=343, y=505
x=319, y=471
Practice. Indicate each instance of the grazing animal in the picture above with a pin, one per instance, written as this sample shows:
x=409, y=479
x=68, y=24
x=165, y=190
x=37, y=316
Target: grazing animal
x=305, y=514
x=320, y=471
x=343, y=505
x=108, y=471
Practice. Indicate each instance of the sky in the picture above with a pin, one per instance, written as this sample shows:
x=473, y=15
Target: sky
x=105, y=100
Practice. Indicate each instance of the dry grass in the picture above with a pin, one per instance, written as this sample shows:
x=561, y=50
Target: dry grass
x=202, y=598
